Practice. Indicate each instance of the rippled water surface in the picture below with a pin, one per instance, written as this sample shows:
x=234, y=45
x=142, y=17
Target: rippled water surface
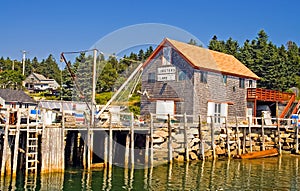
x=278, y=173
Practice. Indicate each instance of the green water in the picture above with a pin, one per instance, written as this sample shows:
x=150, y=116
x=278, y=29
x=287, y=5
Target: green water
x=278, y=173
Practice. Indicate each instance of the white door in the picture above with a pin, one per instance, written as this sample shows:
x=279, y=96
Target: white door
x=164, y=107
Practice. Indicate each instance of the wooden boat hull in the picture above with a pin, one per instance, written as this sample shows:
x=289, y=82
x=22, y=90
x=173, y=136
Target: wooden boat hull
x=259, y=154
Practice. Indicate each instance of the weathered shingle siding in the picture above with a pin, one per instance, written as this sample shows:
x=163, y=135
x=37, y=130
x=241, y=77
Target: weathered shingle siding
x=193, y=96
x=216, y=91
x=182, y=90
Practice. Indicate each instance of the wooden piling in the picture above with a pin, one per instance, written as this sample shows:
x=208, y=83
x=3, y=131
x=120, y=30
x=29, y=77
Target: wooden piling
x=151, y=139
x=212, y=137
x=5, y=146
x=146, y=161
x=244, y=140
x=132, y=141
x=227, y=138
x=279, y=137
x=263, y=133
x=84, y=151
x=201, y=142
x=237, y=135
x=297, y=141
x=16, y=144
x=105, y=148
x=170, y=153
x=249, y=129
x=186, y=145
x=126, y=157
x=110, y=155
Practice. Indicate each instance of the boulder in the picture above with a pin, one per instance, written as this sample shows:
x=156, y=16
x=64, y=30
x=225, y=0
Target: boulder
x=193, y=156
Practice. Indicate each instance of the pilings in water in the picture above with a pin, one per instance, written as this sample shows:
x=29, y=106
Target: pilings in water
x=167, y=138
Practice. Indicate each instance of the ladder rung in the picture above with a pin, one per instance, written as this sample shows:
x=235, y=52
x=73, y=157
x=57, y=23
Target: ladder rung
x=31, y=168
x=32, y=146
x=32, y=153
x=33, y=160
x=32, y=138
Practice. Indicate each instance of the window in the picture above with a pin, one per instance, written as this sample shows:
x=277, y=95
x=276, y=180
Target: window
x=182, y=75
x=218, y=111
x=164, y=107
x=242, y=83
x=166, y=56
x=151, y=77
x=203, y=77
x=250, y=83
x=224, y=79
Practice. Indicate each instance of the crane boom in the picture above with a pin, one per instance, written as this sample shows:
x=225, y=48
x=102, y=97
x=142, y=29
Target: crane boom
x=120, y=89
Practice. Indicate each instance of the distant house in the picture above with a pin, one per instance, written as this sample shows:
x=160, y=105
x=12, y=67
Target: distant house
x=15, y=99
x=37, y=82
x=181, y=78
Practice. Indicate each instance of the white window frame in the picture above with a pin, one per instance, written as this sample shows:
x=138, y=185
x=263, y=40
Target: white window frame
x=217, y=109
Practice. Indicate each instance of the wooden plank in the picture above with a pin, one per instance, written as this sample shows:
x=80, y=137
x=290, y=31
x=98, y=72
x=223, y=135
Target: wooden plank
x=52, y=150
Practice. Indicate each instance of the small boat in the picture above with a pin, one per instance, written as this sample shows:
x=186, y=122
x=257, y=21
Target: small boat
x=259, y=154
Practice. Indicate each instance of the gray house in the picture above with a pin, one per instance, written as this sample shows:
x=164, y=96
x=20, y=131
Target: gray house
x=181, y=78
x=37, y=82
x=15, y=99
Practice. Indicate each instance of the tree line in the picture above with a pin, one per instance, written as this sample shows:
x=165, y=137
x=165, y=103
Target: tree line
x=277, y=66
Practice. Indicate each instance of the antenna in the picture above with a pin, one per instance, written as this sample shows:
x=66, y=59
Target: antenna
x=23, y=61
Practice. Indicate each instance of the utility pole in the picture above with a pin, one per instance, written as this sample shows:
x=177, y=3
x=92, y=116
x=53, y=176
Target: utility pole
x=23, y=61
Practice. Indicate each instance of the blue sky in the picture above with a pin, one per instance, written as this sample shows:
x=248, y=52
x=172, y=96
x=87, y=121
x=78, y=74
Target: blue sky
x=44, y=27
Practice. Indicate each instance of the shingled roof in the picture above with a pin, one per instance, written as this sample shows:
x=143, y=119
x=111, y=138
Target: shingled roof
x=205, y=59
x=15, y=96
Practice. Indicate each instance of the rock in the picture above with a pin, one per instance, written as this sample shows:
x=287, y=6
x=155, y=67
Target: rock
x=196, y=147
x=179, y=138
x=193, y=131
x=193, y=156
x=179, y=158
x=158, y=140
x=219, y=151
x=254, y=135
x=160, y=133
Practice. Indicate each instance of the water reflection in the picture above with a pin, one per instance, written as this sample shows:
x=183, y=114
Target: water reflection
x=261, y=174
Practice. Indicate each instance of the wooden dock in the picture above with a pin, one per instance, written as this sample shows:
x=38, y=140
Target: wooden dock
x=35, y=145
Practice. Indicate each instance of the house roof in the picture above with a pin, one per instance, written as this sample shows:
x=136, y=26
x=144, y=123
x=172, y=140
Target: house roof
x=39, y=76
x=15, y=96
x=205, y=59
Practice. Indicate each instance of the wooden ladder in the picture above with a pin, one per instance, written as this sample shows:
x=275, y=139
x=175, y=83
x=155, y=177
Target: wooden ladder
x=31, y=156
